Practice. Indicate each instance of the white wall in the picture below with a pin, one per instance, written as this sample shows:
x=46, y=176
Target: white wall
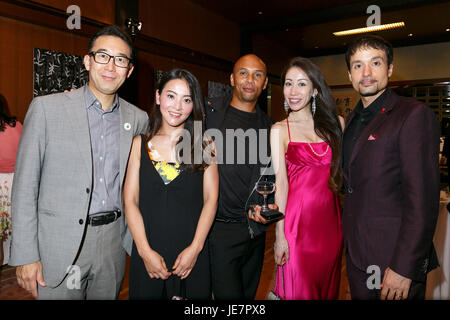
x=430, y=61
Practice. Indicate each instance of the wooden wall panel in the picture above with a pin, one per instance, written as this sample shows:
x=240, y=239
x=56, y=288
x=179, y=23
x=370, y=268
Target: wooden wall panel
x=273, y=54
x=23, y=28
x=16, y=63
x=277, y=112
x=189, y=25
x=102, y=11
x=16, y=58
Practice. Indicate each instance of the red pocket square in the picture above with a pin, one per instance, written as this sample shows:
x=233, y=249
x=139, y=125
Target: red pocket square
x=372, y=137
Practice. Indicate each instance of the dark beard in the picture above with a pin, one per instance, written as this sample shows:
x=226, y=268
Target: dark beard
x=371, y=93
x=252, y=98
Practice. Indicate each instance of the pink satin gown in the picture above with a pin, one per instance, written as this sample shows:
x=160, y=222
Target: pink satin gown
x=312, y=226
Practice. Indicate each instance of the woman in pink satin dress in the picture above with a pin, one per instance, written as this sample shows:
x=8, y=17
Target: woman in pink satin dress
x=306, y=154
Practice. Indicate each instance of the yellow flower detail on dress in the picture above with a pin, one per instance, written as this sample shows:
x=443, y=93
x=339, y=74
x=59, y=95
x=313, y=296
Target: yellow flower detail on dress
x=168, y=171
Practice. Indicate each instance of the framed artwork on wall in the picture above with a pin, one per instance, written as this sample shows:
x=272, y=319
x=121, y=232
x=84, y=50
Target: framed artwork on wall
x=57, y=71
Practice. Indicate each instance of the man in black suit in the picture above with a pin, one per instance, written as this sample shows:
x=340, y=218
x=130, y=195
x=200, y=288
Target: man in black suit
x=391, y=172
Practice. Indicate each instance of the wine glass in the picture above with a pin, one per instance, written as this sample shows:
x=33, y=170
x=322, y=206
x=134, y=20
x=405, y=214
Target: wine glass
x=265, y=188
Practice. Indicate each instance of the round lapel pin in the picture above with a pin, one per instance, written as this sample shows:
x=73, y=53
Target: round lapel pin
x=127, y=126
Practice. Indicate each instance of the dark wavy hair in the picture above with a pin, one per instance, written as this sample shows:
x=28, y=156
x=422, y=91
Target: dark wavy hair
x=326, y=121
x=197, y=115
x=370, y=41
x=5, y=119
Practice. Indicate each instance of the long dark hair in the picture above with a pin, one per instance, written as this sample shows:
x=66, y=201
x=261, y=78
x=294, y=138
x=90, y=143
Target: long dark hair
x=197, y=115
x=326, y=121
x=5, y=119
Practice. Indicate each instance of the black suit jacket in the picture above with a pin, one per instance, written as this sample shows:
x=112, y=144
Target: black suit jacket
x=392, y=195
x=215, y=114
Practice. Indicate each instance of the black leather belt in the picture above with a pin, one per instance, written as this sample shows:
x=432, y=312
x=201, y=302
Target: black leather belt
x=101, y=218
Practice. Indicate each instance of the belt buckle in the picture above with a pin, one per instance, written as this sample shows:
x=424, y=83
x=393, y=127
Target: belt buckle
x=111, y=218
x=97, y=220
x=103, y=218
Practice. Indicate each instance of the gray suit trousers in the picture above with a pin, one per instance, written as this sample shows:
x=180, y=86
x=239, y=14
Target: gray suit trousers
x=98, y=272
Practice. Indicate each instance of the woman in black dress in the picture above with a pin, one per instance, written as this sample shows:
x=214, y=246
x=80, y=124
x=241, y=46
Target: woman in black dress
x=170, y=196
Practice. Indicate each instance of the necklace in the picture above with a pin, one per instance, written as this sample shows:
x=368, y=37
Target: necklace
x=301, y=119
x=319, y=155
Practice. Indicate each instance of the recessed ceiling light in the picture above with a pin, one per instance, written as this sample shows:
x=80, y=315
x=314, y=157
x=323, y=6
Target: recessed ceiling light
x=260, y=12
x=410, y=35
x=448, y=29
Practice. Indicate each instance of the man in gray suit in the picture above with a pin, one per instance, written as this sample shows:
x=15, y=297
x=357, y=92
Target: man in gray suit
x=69, y=233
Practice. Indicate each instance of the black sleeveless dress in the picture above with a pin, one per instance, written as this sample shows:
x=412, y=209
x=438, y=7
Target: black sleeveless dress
x=170, y=213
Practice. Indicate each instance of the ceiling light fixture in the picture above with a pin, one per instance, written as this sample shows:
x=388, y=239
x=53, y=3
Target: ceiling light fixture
x=370, y=29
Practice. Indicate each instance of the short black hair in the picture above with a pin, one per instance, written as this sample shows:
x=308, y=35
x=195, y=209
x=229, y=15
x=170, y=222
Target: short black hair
x=370, y=41
x=115, y=31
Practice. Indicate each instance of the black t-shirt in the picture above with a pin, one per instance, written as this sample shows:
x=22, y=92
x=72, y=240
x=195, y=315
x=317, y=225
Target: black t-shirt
x=236, y=171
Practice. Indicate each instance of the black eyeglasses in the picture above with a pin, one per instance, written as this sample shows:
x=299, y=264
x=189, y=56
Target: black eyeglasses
x=103, y=58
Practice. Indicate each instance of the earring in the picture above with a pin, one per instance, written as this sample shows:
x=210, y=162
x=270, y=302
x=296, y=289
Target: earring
x=313, y=105
x=286, y=106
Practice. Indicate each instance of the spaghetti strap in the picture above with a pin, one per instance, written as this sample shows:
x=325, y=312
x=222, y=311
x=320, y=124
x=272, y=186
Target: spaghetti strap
x=289, y=132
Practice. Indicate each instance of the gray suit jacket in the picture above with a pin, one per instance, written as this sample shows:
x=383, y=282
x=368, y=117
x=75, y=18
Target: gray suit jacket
x=53, y=181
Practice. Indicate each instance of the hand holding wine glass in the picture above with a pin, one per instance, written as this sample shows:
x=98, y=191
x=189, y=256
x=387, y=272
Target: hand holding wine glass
x=265, y=213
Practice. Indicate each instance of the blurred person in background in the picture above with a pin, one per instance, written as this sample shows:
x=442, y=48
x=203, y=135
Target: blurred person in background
x=10, y=131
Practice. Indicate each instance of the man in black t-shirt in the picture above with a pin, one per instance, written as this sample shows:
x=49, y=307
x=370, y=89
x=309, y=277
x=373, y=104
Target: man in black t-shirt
x=236, y=242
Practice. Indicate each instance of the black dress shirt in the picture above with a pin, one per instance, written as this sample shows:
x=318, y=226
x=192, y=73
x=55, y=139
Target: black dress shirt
x=362, y=118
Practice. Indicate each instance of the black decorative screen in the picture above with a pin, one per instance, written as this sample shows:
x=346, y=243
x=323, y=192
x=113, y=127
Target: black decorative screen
x=56, y=71
x=216, y=89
